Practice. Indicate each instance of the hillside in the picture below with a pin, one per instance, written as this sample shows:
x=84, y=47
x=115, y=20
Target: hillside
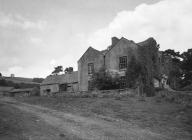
x=21, y=80
x=18, y=82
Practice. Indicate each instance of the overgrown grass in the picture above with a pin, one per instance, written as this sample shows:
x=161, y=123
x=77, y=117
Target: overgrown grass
x=159, y=116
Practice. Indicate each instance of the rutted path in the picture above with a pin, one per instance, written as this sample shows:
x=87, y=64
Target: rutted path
x=86, y=128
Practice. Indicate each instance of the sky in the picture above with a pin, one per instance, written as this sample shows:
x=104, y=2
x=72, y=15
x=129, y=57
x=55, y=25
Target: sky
x=38, y=35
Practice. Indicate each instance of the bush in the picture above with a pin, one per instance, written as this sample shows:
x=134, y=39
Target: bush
x=103, y=80
x=36, y=91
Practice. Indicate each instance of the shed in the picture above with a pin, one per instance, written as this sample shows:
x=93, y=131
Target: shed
x=60, y=83
x=21, y=92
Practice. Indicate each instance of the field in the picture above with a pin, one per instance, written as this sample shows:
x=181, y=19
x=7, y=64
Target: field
x=154, y=114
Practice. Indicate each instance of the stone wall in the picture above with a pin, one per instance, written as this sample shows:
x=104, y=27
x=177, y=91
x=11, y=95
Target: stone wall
x=123, y=48
x=117, y=94
x=53, y=89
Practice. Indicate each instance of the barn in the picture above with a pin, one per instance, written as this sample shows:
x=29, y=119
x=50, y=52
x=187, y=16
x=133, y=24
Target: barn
x=59, y=83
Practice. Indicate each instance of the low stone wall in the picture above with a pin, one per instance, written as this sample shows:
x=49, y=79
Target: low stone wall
x=98, y=94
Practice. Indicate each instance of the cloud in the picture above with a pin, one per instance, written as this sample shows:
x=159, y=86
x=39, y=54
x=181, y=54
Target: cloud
x=168, y=21
x=36, y=41
x=15, y=20
x=53, y=62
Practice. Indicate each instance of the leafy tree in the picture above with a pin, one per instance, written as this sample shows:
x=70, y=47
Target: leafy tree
x=36, y=91
x=172, y=53
x=187, y=67
x=57, y=70
x=0, y=75
x=175, y=71
x=68, y=70
x=38, y=80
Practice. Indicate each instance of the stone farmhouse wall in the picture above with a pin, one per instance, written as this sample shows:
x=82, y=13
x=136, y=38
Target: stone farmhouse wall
x=90, y=56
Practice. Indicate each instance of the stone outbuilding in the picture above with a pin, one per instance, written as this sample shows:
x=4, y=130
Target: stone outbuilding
x=21, y=92
x=60, y=83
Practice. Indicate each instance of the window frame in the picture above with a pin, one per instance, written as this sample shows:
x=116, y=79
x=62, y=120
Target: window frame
x=122, y=62
x=63, y=87
x=90, y=68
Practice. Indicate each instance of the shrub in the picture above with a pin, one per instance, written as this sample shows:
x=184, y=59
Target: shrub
x=103, y=80
x=36, y=91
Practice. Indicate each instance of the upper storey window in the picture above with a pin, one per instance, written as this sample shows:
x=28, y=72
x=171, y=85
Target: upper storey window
x=90, y=68
x=123, y=62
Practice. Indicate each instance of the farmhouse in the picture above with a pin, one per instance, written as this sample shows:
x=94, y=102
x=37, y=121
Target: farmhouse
x=60, y=83
x=115, y=59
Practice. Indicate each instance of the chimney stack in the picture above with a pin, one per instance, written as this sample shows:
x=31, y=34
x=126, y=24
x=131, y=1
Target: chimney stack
x=114, y=40
x=12, y=75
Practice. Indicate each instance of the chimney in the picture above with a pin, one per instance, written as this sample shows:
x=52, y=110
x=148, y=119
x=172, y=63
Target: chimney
x=114, y=40
x=12, y=75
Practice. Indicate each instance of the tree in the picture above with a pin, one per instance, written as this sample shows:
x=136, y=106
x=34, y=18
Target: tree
x=172, y=53
x=38, y=80
x=57, y=70
x=102, y=80
x=0, y=75
x=175, y=71
x=68, y=70
x=187, y=67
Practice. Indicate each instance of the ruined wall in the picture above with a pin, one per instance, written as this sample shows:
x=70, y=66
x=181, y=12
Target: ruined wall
x=90, y=56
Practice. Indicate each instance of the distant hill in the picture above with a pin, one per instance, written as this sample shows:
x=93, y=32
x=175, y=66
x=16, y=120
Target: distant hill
x=20, y=80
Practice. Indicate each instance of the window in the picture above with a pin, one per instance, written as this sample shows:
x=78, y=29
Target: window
x=48, y=90
x=123, y=83
x=123, y=62
x=63, y=87
x=90, y=68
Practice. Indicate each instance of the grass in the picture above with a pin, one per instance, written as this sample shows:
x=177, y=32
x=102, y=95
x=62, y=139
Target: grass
x=10, y=125
x=18, y=125
x=157, y=115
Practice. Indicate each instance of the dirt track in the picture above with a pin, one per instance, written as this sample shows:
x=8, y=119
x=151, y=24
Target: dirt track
x=69, y=126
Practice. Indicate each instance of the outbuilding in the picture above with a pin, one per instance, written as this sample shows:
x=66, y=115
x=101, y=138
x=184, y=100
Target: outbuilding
x=60, y=83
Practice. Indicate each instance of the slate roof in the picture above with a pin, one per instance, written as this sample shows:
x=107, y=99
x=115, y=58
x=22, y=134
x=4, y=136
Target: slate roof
x=89, y=49
x=61, y=79
x=21, y=90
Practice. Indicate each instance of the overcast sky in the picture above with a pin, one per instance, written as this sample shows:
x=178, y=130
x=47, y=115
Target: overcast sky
x=37, y=35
